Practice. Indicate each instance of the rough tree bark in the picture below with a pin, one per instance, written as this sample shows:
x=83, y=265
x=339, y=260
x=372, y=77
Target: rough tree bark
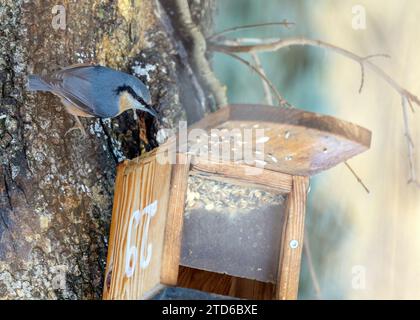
x=56, y=191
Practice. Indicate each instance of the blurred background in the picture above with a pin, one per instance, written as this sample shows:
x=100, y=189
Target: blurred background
x=364, y=246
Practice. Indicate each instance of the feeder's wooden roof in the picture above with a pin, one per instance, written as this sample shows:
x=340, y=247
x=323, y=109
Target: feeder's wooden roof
x=297, y=142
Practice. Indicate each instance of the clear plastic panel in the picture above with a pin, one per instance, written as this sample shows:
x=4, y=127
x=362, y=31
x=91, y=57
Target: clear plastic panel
x=232, y=230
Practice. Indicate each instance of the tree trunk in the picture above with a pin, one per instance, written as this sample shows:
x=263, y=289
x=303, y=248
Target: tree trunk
x=56, y=191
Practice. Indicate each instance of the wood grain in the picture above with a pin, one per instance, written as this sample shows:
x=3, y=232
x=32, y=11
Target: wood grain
x=139, y=183
x=293, y=230
x=242, y=174
x=299, y=142
x=224, y=284
x=174, y=221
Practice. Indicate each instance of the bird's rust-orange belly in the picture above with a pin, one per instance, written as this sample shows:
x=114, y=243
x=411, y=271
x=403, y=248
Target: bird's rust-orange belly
x=72, y=109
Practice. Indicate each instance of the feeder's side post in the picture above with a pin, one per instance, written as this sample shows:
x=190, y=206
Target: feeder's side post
x=118, y=201
x=173, y=232
x=292, y=241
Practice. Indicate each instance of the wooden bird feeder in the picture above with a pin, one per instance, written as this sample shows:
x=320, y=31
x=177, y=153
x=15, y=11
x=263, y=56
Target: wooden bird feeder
x=159, y=250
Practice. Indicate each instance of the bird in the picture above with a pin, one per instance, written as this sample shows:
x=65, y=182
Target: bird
x=94, y=91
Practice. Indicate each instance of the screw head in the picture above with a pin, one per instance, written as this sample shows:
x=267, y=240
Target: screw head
x=294, y=244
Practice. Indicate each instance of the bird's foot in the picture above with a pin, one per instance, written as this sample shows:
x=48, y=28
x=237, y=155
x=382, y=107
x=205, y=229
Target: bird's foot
x=77, y=126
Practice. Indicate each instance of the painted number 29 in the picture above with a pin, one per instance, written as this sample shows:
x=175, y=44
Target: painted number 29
x=131, y=254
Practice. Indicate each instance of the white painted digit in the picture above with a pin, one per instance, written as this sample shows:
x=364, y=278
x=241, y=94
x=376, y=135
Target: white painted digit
x=149, y=211
x=132, y=252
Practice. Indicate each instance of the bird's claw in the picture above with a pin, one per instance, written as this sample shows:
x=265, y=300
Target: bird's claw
x=77, y=126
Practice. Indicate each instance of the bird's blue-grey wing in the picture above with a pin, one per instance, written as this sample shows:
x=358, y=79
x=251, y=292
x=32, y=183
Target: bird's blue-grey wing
x=76, y=85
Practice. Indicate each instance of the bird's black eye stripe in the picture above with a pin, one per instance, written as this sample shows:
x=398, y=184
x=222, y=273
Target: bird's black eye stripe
x=132, y=92
x=142, y=100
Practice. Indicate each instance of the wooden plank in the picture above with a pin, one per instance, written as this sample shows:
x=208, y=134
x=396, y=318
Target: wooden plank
x=242, y=174
x=224, y=284
x=138, y=229
x=292, y=241
x=296, y=142
x=119, y=185
x=251, y=289
x=174, y=221
x=204, y=280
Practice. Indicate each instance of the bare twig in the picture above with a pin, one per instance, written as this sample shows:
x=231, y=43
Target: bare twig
x=408, y=98
x=362, y=67
x=357, y=177
x=217, y=35
x=362, y=77
x=280, y=99
x=411, y=159
x=284, y=43
x=246, y=41
x=411, y=106
x=308, y=255
x=255, y=41
x=267, y=91
x=377, y=55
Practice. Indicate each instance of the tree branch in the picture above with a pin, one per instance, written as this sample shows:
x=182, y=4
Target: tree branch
x=280, y=99
x=411, y=159
x=218, y=35
x=283, y=43
x=199, y=48
x=357, y=177
x=408, y=98
x=266, y=87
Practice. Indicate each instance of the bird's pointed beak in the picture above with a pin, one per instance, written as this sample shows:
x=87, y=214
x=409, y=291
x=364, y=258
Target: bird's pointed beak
x=146, y=106
x=151, y=111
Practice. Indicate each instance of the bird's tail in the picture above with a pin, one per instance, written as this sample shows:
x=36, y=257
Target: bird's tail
x=37, y=83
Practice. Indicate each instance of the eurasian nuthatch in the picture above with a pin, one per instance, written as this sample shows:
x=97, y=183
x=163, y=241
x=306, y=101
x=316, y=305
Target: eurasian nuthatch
x=94, y=91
